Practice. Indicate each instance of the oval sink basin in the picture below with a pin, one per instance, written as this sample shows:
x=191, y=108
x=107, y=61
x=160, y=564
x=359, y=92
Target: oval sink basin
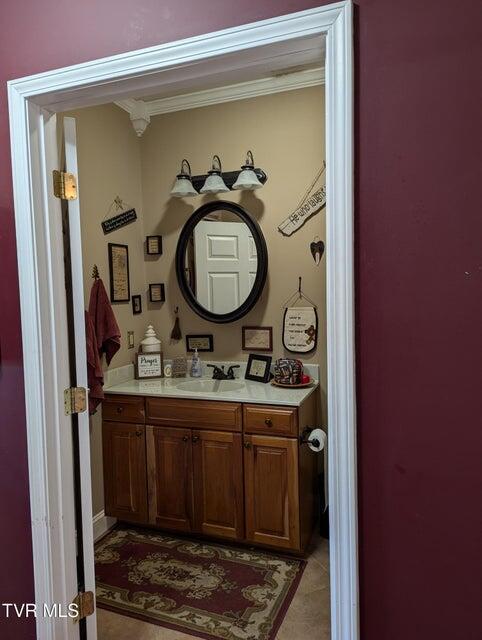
x=210, y=386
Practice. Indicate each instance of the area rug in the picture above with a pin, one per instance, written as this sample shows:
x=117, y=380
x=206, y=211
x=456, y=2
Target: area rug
x=200, y=588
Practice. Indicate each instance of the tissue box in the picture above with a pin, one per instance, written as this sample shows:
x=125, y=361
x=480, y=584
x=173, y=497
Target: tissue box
x=288, y=371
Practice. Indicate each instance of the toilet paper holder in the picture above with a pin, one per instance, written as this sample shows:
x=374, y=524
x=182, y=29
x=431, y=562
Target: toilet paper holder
x=303, y=438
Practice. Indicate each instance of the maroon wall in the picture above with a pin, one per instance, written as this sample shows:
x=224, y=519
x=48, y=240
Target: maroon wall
x=419, y=294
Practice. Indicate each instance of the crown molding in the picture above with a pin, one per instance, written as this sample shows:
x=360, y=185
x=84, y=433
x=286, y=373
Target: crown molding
x=207, y=97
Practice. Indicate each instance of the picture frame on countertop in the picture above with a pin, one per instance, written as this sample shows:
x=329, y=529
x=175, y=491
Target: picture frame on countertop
x=154, y=245
x=258, y=368
x=119, y=272
x=201, y=342
x=157, y=292
x=136, y=304
x=149, y=365
x=257, y=338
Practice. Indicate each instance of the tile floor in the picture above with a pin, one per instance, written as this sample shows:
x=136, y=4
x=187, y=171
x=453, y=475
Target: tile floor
x=307, y=617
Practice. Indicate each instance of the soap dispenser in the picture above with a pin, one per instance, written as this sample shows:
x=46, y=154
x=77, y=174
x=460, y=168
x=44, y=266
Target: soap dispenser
x=196, y=365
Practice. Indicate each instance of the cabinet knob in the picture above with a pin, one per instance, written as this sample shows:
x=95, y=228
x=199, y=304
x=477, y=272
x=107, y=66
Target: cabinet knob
x=120, y=409
x=247, y=445
x=139, y=433
x=195, y=439
x=185, y=438
x=268, y=422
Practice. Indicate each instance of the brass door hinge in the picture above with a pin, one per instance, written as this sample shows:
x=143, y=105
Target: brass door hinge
x=65, y=185
x=75, y=400
x=85, y=605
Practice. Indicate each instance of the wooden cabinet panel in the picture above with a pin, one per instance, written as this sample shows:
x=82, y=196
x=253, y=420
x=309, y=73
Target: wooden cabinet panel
x=125, y=483
x=218, y=483
x=169, y=477
x=271, y=491
x=259, y=418
x=197, y=414
x=123, y=408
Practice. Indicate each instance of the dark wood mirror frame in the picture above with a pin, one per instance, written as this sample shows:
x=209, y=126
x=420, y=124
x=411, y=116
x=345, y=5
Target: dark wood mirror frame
x=262, y=253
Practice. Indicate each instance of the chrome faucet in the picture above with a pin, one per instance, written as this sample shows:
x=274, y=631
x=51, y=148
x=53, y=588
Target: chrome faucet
x=220, y=374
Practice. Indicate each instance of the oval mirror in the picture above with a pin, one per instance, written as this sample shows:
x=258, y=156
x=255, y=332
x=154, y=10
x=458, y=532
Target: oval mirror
x=221, y=261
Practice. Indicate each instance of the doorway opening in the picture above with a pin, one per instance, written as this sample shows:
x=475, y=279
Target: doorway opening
x=204, y=76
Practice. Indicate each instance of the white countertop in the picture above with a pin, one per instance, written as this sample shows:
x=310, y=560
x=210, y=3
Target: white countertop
x=250, y=392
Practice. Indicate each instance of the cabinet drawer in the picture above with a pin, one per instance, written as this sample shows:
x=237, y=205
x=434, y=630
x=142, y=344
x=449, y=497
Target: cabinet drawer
x=123, y=408
x=199, y=414
x=269, y=420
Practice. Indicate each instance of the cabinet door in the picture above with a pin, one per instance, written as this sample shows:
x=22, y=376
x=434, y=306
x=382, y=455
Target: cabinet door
x=169, y=477
x=218, y=483
x=125, y=482
x=271, y=491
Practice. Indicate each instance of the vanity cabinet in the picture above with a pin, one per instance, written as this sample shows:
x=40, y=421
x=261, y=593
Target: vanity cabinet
x=124, y=452
x=169, y=477
x=271, y=490
x=220, y=469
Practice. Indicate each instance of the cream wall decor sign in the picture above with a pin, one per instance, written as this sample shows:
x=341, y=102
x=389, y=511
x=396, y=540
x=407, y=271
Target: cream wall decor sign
x=300, y=329
x=309, y=205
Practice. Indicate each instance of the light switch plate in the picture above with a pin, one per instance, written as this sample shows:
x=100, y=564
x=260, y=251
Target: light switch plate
x=130, y=339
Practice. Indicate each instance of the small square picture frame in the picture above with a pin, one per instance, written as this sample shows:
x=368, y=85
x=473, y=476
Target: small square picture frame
x=157, y=292
x=148, y=366
x=258, y=368
x=154, y=245
x=136, y=304
x=257, y=338
x=201, y=342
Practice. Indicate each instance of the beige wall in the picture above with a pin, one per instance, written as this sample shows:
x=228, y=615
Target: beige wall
x=108, y=153
x=286, y=134
x=285, y=131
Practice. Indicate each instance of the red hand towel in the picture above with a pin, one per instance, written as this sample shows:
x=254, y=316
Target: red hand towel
x=106, y=328
x=95, y=375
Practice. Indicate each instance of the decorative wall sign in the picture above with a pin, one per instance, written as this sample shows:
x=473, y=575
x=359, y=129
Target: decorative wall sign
x=258, y=368
x=257, y=338
x=309, y=205
x=148, y=365
x=136, y=304
x=154, y=245
x=300, y=329
x=118, y=221
x=200, y=342
x=119, y=272
x=157, y=292
x=317, y=248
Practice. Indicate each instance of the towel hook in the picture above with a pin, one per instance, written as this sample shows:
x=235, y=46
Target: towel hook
x=95, y=272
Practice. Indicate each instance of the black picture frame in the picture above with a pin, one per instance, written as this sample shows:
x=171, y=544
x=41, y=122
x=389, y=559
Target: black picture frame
x=154, y=240
x=152, y=286
x=114, y=297
x=192, y=338
x=261, y=252
x=136, y=304
x=258, y=377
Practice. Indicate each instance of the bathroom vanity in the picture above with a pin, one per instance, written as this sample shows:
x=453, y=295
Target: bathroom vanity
x=209, y=458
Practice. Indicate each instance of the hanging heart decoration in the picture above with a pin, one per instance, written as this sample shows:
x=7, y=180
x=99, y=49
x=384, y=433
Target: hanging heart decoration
x=317, y=248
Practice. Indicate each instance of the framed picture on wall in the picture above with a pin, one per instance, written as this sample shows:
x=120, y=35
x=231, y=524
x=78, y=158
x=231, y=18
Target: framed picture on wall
x=200, y=342
x=119, y=272
x=154, y=245
x=257, y=338
x=157, y=292
x=136, y=304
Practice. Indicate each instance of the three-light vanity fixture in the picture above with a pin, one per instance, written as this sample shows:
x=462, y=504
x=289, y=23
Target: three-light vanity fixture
x=217, y=181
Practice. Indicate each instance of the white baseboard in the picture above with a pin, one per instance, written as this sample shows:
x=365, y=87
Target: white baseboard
x=101, y=524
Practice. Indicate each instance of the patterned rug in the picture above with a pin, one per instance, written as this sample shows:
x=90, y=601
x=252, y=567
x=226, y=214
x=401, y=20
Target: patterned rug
x=203, y=589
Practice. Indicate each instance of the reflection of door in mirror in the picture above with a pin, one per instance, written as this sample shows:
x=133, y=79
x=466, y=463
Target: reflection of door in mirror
x=226, y=264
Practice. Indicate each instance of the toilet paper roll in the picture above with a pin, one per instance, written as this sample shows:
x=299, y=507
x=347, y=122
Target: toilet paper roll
x=317, y=440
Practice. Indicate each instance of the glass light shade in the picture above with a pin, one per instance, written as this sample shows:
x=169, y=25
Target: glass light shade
x=247, y=179
x=214, y=184
x=183, y=187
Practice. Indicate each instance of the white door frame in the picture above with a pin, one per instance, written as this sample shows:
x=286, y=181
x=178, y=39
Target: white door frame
x=31, y=101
